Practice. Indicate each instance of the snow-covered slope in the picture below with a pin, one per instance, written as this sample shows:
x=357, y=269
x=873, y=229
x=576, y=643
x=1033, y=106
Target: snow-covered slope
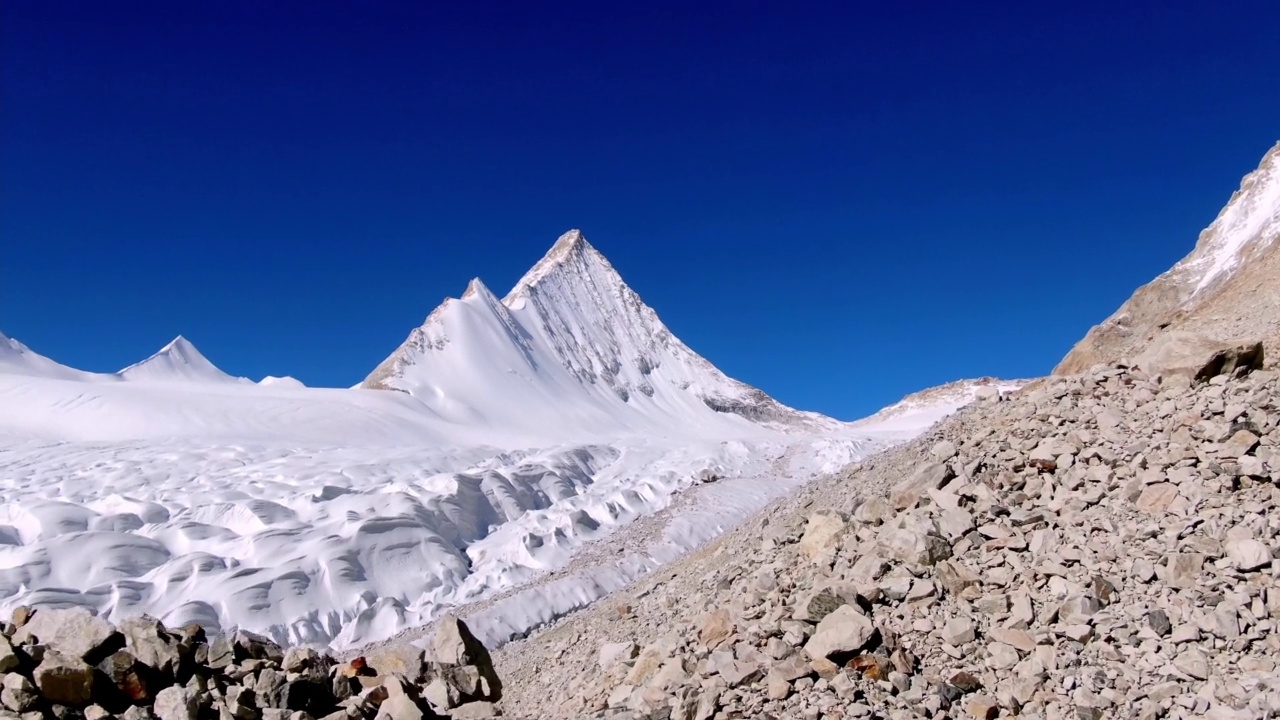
x=18, y=359
x=502, y=438
x=572, y=349
x=179, y=361
x=918, y=411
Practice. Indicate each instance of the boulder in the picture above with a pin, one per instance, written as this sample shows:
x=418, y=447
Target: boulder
x=17, y=693
x=822, y=533
x=75, y=631
x=177, y=703
x=152, y=645
x=845, y=630
x=907, y=493
x=717, y=627
x=1248, y=554
x=1198, y=358
x=64, y=680
x=914, y=540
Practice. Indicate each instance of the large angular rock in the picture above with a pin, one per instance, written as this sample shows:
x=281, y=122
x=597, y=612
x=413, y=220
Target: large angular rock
x=717, y=627
x=914, y=540
x=454, y=644
x=822, y=533
x=845, y=630
x=134, y=681
x=1156, y=499
x=76, y=632
x=1197, y=357
x=149, y=642
x=177, y=703
x=64, y=680
x=17, y=693
x=907, y=493
x=9, y=660
x=613, y=653
x=1248, y=554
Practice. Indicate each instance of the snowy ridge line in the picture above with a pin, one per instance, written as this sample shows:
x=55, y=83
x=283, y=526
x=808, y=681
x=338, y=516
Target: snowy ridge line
x=524, y=430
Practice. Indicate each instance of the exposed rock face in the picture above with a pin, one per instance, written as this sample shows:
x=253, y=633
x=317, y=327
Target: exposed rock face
x=1227, y=289
x=1103, y=547
x=151, y=672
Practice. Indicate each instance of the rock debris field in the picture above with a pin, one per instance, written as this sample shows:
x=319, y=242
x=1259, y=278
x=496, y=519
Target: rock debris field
x=1092, y=546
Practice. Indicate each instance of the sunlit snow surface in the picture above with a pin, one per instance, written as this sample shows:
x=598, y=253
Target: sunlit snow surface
x=343, y=539
x=500, y=440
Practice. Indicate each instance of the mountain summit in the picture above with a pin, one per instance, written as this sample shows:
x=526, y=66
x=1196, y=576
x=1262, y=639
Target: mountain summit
x=179, y=361
x=571, y=347
x=1226, y=289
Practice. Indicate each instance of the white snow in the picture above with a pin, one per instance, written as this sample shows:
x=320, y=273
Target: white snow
x=179, y=361
x=18, y=359
x=514, y=433
x=285, y=381
x=1252, y=216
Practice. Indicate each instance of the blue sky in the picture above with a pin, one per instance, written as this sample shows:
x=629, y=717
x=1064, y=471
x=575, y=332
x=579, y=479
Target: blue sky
x=835, y=202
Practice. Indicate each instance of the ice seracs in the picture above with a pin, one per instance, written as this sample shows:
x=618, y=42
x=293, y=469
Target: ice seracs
x=179, y=361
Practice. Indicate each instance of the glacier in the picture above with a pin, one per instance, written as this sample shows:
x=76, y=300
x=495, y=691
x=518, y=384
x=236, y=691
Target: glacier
x=500, y=441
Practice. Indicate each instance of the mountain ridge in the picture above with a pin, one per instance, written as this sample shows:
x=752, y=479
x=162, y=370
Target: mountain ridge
x=1227, y=288
x=571, y=322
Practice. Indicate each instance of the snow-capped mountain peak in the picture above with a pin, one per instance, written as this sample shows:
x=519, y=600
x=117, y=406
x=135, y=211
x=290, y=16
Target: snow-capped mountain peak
x=18, y=359
x=572, y=346
x=179, y=361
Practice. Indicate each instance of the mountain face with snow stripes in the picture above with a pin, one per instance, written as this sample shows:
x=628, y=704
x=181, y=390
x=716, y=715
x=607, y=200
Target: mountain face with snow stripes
x=571, y=343
x=1227, y=288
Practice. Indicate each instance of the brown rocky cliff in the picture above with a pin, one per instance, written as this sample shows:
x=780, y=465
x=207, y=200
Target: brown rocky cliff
x=1227, y=288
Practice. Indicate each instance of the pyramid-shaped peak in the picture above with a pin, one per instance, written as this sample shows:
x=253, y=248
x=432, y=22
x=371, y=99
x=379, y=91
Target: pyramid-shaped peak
x=476, y=287
x=178, y=361
x=571, y=250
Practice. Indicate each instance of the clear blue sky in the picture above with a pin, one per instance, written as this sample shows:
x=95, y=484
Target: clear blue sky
x=839, y=203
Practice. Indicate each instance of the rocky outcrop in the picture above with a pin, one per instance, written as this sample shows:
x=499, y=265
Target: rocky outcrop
x=73, y=664
x=1102, y=545
x=1227, y=289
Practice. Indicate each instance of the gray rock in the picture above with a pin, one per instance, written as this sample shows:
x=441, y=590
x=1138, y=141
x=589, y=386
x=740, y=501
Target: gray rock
x=454, y=643
x=1197, y=357
x=959, y=631
x=931, y=475
x=1193, y=663
x=1182, y=570
x=479, y=710
x=822, y=533
x=177, y=703
x=1158, y=621
x=613, y=653
x=844, y=630
x=17, y=693
x=76, y=632
x=63, y=679
x=913, y=540
x=149, y=641
x=9, y=660
x=1239, y=445
x=1247, y=554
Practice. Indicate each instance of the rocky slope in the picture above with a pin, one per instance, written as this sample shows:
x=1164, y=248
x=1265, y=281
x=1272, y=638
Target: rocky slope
x=71, y=664
x=1093, y=546
x=1227, y=288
